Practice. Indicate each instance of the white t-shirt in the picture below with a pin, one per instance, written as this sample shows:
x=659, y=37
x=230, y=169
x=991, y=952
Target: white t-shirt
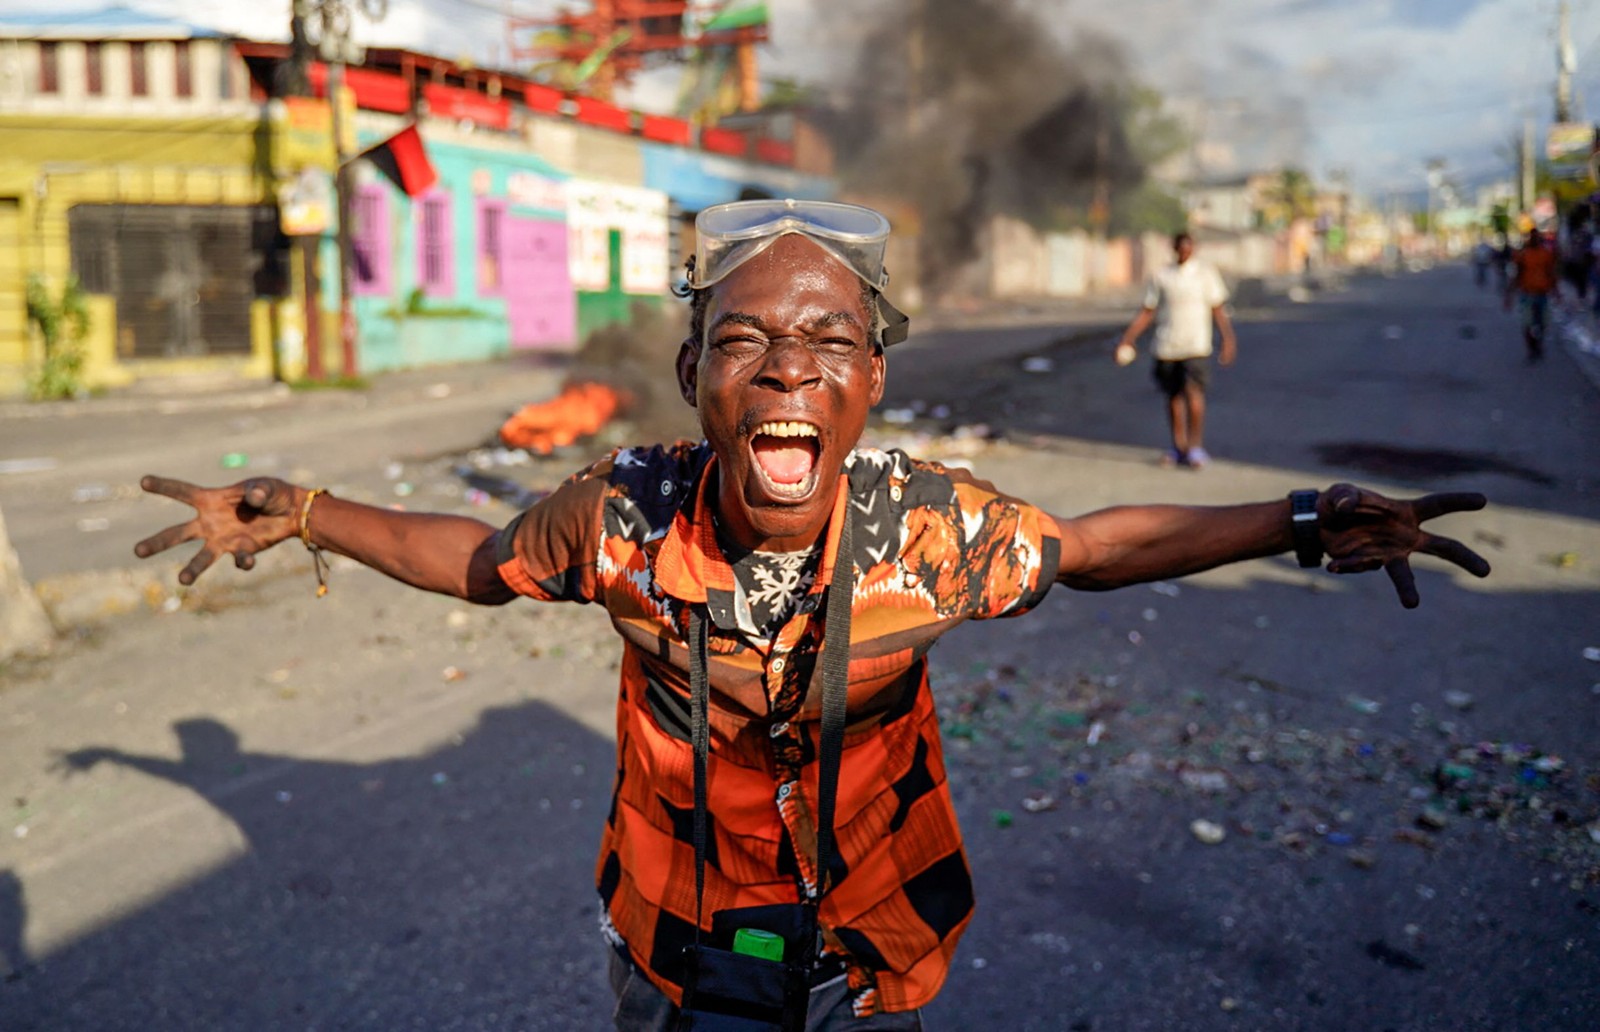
x=1183, y=297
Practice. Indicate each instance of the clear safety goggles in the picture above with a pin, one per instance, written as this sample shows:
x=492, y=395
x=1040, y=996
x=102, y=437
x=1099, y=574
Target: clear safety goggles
x=728, y=235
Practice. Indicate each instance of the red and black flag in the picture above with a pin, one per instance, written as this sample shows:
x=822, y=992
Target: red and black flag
x=402, y=158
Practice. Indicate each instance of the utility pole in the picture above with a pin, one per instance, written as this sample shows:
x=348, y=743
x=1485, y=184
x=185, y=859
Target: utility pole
x=1566, y=64
x=1525, y=184
x=338, y=49
x=296, y=82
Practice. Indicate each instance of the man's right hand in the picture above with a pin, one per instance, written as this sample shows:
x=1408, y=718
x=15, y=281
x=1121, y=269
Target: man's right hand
x=248, y=517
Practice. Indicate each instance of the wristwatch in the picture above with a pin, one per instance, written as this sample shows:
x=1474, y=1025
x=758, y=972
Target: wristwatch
x=1307, y=531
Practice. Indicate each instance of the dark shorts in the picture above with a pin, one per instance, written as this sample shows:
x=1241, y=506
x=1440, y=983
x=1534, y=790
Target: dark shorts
x=1174, y=377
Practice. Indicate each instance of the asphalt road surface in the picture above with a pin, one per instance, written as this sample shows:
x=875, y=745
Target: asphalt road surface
x=249, y=808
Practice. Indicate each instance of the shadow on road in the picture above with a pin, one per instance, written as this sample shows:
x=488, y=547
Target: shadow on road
x=451, y=890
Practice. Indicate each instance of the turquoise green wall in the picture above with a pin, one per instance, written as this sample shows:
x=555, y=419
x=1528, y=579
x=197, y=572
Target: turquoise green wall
x=462, y=328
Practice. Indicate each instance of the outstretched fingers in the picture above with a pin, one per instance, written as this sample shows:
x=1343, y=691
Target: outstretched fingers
x=176, y=534
x=177, y=490
x=199, y=564
x=1434, y=505
x=1405, y=582
x=1453, y=551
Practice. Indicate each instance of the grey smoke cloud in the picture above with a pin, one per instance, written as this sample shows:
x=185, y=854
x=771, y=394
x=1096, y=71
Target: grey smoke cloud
x=968, y=108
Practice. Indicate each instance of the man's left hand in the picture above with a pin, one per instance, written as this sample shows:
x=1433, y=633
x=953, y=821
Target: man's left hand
x=1362, y=530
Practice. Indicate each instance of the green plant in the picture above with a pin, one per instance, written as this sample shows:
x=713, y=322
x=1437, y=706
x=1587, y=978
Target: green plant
x=63, y=322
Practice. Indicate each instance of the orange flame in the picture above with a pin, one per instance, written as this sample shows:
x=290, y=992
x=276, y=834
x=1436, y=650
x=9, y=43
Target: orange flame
x=579, y=410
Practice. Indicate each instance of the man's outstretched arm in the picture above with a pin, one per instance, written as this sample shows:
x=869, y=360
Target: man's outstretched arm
x=1361, y=531
x=451, y=555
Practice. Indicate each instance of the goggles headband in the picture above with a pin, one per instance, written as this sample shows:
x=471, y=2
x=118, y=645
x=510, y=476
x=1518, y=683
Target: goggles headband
x=728, y=235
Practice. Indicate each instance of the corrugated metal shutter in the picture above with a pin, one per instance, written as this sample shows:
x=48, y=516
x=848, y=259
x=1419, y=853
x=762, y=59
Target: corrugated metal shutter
x=183, y=275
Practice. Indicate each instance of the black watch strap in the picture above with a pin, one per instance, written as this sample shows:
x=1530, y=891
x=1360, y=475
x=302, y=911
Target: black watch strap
x=1307, y=530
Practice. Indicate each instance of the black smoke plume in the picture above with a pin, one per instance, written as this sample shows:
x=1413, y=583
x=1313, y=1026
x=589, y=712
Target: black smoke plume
x=967, y=109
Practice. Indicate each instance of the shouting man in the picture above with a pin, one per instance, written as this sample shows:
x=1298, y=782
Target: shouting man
x=777, y=589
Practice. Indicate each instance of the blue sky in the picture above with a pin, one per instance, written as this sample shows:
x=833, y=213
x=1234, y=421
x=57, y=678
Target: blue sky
x=1375, y=88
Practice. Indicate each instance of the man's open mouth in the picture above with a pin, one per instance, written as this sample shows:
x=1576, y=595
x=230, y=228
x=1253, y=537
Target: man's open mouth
x=786, y=454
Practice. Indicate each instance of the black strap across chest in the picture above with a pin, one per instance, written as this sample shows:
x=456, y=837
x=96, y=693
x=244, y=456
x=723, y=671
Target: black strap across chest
x=835, y=683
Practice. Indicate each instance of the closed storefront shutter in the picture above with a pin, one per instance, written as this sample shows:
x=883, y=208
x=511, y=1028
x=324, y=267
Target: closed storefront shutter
x=183, y=276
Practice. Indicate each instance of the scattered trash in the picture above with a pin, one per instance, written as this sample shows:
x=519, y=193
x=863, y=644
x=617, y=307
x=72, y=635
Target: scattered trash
x=1388, y=956
x=38, y=465
x=1135, y=637
x=1096, y=731
x=1037, y=364
x=1229, y=1004
x=393, y=471
x=1205, y=780
x=235, y=460
x=1163, y=588
x=285, y=797
x=1365, y=859
x=20, y=831
x=474, y=496
x=439, y=390
x=1149, y=615
x=404, y=490
x=1460, y=700
x=91, y=493
x=1360, y=705
x=978, y=963
x=1039, y=803
x=1432, y=819
x=94, y=524
x=1207, y=832
x=457, y=620
x=1592, y=654
x=1003, y=818
x=452, y=673
x=440, y=778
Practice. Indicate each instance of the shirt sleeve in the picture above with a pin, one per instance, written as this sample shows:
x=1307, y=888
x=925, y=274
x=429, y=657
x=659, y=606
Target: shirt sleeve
x=1009, y=550
x=1152, y=292
x=1216, y=290
x=550, y=552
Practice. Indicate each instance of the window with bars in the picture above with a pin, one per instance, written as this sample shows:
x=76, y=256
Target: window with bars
x=491, y=248
x=369, y=240
x=138, y=70
x=94, y=69
x=182, y=69
x=49, y=67
x=435, y=273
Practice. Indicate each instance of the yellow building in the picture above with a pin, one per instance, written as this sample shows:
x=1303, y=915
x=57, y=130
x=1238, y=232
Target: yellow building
x=130, y=157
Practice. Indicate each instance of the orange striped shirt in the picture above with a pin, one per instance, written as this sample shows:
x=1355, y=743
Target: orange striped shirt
x=933, y=547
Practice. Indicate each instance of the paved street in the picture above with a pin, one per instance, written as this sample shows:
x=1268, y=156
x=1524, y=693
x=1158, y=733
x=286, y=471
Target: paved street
x=249, y=808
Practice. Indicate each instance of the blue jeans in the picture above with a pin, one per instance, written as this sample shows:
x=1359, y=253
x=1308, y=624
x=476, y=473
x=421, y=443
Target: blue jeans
x=641, y=1007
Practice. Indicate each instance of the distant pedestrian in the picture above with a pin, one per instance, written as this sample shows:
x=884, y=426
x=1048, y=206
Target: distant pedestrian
x=1482, y=258
x=1535, y=280
x=1577, y=251
x=1183, y=299
x=1502, y=263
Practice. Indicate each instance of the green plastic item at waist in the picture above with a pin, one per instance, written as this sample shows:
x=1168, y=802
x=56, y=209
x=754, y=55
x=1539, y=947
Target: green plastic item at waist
x=756, y=943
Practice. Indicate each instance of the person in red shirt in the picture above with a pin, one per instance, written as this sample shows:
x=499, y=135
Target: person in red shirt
x=740, y=545
x=1535, y=277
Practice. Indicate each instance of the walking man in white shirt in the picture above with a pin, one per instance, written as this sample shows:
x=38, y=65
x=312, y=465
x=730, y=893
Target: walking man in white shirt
x=1183, y=299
